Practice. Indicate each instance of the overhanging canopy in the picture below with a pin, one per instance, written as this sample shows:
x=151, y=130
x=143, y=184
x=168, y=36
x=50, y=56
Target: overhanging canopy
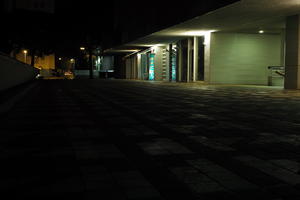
x=244, y=16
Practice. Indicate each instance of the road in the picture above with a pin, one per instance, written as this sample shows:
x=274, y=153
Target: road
x=137, y=140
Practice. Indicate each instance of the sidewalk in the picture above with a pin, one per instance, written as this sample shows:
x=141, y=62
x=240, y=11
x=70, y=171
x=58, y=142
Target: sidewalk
x=97, y=139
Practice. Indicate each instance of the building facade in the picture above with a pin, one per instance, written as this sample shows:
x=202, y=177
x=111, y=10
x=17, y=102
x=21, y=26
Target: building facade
x=250, y=42
x=45, y=63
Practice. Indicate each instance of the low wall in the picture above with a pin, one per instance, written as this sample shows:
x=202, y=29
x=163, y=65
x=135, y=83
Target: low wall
x=13, y=72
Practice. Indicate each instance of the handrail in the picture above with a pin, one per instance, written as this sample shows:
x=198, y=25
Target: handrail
x=279, y=70
x=276, y=67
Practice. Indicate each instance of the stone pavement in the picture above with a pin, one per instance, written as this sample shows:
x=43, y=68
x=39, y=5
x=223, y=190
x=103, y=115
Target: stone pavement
x=135, y=140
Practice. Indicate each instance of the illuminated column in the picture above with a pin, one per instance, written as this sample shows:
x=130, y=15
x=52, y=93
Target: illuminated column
x=292, y=57
x=207, y=50
x=170, y=62
x=189, y=60
x=196, y=61
x=139, y=66
x=134, y=66
x=152, y=67
x=179, y=65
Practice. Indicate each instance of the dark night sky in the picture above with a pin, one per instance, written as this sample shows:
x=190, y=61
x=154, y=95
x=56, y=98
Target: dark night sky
x=104, y=13
x=107, y=19
x=108, y=23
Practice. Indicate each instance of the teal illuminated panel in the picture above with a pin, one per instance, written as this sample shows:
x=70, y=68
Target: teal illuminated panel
x=151, y=67
x=174, y=67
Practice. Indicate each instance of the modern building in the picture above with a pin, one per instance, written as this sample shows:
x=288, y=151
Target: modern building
x=253, y=42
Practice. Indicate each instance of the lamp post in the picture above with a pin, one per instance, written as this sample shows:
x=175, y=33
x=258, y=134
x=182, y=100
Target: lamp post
x=25, y=56
x=72, y=63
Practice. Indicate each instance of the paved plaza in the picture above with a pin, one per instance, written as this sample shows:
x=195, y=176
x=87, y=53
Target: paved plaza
x=138, y=140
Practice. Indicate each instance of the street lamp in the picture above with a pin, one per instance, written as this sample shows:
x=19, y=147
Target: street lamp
x=25, y=55
x=82, y=48
x=72, y=61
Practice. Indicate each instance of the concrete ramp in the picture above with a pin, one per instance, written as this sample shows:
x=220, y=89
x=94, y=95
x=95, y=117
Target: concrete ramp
x=13, y=72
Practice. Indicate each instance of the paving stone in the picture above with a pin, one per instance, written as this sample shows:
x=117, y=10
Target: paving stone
x=89, y=151
x=226, y=178
x=211, y=144
x=96, y=177
x=267, y=138
x=163, y=146
x=197, y=182
x=118, y=139
x=290, y=165
x=136, y=186
x=270, y=169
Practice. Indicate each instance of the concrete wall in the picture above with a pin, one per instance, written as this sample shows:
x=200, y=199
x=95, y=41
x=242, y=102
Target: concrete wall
x=13, y=72
x=243, y=58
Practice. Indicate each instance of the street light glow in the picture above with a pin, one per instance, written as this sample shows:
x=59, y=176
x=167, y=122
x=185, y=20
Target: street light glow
x=25, y=55
x=82, y=48
x=261, y=31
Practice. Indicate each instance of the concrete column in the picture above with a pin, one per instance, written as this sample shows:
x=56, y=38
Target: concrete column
x=283, y=36
x=179, y=63
x=189, y=61
x=132, y=68
x=135, y=65
x=292, y=55
x=170, y=61
x=207, y=51
x=127, y=68
x=196, y=61
x=139, y=66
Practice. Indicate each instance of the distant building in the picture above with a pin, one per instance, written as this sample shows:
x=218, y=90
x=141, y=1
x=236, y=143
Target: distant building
x=45, y=63
x=47, y=6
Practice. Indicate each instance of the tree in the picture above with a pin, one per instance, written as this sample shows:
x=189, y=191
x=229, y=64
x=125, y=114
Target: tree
x=35, y=33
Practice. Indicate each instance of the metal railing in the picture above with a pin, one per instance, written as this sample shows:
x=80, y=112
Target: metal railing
x=275, y=72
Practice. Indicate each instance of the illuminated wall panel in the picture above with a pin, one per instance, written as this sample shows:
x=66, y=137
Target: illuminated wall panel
x=243, y=58
x=152, y=67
